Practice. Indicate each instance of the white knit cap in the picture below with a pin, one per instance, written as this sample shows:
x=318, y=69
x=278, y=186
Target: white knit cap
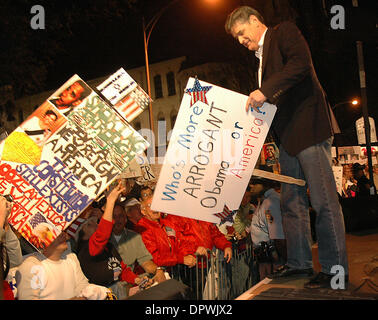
x=131, y=202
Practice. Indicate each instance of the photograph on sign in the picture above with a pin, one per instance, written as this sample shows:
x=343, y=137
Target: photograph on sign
x=70, y=95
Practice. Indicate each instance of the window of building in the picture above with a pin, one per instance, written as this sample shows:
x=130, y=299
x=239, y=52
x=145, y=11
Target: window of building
x=158, y=87
x=162, y=135
x=171, y=83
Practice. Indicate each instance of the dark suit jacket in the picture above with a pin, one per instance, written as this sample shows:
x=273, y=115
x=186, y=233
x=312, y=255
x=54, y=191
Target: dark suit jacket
x=304, y=116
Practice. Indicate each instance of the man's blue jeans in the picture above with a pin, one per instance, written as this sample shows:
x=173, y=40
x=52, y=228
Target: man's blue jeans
x=314, y=165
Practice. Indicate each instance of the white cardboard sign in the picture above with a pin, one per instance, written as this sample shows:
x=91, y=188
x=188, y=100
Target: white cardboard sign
x=212, y=152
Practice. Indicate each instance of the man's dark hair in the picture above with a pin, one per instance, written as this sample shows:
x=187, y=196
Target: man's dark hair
x=87, y=90
x=51, y=112
x=241, y=15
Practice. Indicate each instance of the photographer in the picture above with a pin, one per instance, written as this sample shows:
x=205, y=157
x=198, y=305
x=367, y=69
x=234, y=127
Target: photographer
x=10, y=249
x=266, y=227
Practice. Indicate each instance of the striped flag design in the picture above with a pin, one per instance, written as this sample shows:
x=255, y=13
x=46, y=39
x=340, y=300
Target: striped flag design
x=198, y=92
x=225, y=215
x=37, y=219
x=133, y=104
x=74, y=226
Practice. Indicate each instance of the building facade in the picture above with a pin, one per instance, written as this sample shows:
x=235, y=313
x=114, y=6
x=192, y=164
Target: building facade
x=168, y=81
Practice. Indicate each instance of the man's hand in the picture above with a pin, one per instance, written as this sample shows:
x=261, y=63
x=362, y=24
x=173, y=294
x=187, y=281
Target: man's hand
x=148, y=282
x=114, y=194
x=228, y=254
x=255, y=100
x=190, y=261
x=201, y=251
x=240, y=236
x=159, y=276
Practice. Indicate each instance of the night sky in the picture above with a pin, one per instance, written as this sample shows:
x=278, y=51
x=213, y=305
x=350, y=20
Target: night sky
x=95, y=38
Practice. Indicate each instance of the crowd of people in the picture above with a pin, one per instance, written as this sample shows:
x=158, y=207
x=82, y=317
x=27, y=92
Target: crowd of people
x=122, y=246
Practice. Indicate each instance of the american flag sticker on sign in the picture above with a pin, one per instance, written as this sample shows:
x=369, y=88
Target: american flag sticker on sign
x=126, y=96
x=73, y=228
x=133, y=104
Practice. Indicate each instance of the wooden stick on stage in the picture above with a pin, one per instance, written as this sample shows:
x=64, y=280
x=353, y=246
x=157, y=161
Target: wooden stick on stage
x=278, y=177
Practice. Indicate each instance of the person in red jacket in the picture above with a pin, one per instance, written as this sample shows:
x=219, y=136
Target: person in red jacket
x=160, y=239
x=197, y=238
x=99, y=259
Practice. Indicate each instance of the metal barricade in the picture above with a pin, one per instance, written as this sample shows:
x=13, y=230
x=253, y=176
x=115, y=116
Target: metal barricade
x=214, y=279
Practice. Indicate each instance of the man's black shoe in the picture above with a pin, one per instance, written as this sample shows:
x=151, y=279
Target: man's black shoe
x=322, y=280
x=285, y=272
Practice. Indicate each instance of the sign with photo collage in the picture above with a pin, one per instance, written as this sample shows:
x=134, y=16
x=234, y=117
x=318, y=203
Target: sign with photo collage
x=61, y=158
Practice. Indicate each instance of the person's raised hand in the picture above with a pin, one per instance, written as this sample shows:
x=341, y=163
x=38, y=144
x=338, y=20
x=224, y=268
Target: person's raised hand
x=114, y=194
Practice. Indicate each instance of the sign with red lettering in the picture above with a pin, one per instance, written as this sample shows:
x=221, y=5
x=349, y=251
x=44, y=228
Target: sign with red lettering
x=62, y=158
x=212, y=152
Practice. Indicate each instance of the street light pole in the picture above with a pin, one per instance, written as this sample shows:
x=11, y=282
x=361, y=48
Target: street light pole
x=151, y=117
x=365, y=113
x=354, y=102
x=147, y=29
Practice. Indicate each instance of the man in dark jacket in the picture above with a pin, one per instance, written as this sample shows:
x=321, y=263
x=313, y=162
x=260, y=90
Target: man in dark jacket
x=304, y=126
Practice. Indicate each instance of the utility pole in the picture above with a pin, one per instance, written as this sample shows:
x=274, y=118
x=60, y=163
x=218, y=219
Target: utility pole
x=365, y=113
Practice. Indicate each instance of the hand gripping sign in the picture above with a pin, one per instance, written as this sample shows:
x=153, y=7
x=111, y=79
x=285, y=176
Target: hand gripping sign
x=212, y=152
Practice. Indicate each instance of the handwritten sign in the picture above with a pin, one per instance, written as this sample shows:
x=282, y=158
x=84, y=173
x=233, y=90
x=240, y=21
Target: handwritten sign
x=212, y=152
x=148, y=173
x=55, y=164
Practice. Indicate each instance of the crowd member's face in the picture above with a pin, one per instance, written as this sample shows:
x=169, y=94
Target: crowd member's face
x=147, y=212
x=359, y=173
x=270, y=151
x=256, y=189
x=248, y=33
x=146, y=193
x=133, y=214
x=93, y=212
x=71, y=94
x=120, y=220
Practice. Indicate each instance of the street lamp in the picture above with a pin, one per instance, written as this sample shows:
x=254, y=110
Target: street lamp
x=354, y=102
x=147, y=29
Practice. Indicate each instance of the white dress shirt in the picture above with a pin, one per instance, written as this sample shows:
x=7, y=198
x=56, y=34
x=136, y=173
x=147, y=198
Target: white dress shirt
x=259, y=55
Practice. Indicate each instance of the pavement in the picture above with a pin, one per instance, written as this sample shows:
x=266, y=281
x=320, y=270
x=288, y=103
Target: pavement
x=362, y=248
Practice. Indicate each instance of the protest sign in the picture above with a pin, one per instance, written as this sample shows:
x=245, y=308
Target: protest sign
x=338, y=174
x=125, y=95
x=212, y=152
x=132, y=171
x=148, y=174
x=61, y=159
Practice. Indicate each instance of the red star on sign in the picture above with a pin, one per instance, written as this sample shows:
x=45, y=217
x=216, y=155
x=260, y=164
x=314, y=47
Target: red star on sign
x=225, y=215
